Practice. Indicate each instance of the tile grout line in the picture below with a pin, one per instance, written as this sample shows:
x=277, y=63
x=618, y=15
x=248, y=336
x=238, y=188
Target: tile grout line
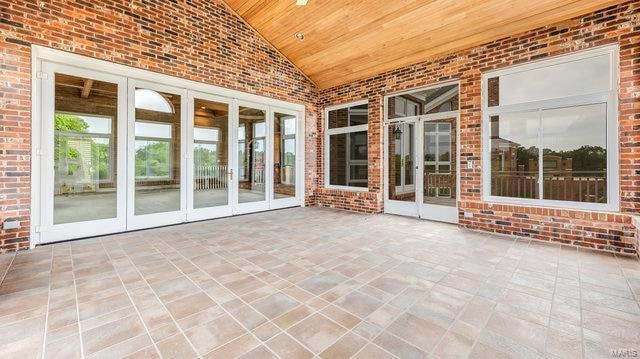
x=169, y=313
x=153, y=342
x=46, y=318
x=75, y=292
x=282, y=331
x=261, y=342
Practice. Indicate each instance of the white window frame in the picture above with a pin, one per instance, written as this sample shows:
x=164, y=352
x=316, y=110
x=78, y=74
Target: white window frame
x=339, y=131
x=610, y=98
x=159, y=139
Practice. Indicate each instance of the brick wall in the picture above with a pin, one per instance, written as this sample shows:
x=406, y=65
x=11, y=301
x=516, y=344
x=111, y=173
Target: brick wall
x=201, y=40
x=618, y=24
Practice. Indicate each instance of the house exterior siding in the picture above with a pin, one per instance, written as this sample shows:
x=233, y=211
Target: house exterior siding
x=612, y=232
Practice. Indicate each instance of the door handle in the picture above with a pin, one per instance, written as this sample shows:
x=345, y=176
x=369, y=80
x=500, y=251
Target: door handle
x=231, y=174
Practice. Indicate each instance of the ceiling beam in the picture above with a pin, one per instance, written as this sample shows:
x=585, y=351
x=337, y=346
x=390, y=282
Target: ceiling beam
x=86, y=89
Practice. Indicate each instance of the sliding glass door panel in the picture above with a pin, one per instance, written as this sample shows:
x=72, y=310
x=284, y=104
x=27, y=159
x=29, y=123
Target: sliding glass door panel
x=252, y=154
x=156, y=154
x=83, y=144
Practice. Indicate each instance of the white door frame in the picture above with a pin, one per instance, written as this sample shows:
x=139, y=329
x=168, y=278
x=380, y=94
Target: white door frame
x=418, y=208
x=257, y=206
x=50, y=232
x=197, y=214
x=150, y=220
x=109, y=71
x=403, y=208
x=299, y=173
x=436, y=212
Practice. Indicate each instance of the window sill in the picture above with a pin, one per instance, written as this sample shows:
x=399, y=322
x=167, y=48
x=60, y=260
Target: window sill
x=551, y=204
x=347, y=188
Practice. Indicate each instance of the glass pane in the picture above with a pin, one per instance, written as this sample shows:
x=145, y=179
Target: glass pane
x=85, y=149
x=284, y=156
x=348, y=116
x=440, y=166
x=514, y=155
x=571, y=78
x=401, y=162
x=157, y=152
x=210, y=155
x=575, y=154
x=345, y=151
x=251, y=155
x=434, y=100
x=358, y=146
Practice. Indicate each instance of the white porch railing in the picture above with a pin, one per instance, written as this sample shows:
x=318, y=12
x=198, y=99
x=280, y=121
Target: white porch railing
x=210, y=177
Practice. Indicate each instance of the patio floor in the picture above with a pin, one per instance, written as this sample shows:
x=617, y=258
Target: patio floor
x=310, y=282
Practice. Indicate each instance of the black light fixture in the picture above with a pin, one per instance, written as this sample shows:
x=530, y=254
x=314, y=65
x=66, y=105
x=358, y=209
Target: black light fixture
x=397, y=131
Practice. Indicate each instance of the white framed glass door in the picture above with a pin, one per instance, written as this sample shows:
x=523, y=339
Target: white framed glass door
x=250, y=177
x=401, y=159
x=421, y=160
x=156, y=157
x=438, y=167
x=211, y=153
x=83, y=164
x=285, y=158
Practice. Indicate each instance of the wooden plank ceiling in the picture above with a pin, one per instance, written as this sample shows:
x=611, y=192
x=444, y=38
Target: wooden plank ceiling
x=346, y=40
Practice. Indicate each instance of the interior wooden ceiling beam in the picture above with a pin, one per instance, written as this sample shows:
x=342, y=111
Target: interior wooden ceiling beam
x=86, y=89
x=353, y=39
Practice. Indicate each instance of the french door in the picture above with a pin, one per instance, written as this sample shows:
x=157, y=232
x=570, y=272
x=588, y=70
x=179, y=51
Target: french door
x=421, y=167
x=157, y=176
x=83, y=181
x=118, y=154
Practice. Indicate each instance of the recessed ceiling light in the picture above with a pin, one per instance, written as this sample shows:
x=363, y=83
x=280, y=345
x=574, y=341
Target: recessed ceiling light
x=299, y=36
x=301, y=2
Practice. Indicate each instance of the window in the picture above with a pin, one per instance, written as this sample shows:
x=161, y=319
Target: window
x=205, y=146
x=550, y=132
x=288, y=154
x=346, y=143
x=84, y=143
x=152, y=150
x=241, y=153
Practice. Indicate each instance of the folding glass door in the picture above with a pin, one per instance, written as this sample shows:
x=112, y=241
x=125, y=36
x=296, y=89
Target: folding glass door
x=118, y=154
x=156, y=156
x=82, y=153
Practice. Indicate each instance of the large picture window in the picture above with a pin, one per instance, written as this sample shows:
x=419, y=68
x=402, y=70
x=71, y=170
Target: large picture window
x=153, y=150
x=550, y=132
x=346, y=144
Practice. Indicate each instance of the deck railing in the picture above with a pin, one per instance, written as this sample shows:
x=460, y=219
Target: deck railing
x=578, y=187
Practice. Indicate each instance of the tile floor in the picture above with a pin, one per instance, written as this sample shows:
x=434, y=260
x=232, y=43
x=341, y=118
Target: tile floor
x=310, y=282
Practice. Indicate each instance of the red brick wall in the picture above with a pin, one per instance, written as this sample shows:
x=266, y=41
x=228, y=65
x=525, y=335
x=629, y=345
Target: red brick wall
x=619, y=24
x=199, y=40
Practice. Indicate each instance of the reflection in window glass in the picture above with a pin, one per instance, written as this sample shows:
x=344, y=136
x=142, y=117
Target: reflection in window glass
x=347, y=146
x=251, y=155
x=157, y=152
x=514, y=155
x=571, y=78
x=439, y=162
x=400, y=163
x=421, y=102
x=575, y=153
x=85, y=150
x=210, y=157
x=284, y=154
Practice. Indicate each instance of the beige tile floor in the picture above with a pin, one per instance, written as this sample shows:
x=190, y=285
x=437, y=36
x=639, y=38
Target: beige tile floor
x=311, y=282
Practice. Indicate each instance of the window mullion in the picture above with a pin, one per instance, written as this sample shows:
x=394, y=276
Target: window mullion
x=540, y=157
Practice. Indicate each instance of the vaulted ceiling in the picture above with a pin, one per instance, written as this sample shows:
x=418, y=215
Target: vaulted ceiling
x=346, y=40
